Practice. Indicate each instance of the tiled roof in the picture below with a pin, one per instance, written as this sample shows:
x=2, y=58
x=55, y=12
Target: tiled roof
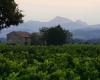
x=20, y=33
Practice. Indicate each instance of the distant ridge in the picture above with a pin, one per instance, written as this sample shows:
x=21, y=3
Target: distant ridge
x=77, y=27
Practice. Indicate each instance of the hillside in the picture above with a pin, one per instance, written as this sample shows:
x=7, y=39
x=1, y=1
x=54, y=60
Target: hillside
x=79, y=29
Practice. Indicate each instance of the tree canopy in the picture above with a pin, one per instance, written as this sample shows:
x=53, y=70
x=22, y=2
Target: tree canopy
x=55, y=35
x=9, y=14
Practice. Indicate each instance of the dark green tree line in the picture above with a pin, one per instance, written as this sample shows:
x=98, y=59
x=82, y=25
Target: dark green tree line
x=55, y=35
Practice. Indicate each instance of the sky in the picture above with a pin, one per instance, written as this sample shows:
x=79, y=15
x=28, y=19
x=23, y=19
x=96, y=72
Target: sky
x=44, y=10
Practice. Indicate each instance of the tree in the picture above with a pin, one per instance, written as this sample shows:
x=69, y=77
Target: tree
x=55, y=35
x=9, y=14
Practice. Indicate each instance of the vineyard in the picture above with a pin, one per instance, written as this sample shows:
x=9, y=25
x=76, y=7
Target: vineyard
x=67, y=62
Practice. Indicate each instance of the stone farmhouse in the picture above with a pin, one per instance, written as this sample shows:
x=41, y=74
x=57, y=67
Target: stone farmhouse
x=19, y=37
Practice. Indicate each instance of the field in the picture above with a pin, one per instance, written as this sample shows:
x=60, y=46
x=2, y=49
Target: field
x=68, y=62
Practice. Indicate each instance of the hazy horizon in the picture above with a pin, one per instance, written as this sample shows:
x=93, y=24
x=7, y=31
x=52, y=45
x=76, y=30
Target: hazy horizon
x=44, y=10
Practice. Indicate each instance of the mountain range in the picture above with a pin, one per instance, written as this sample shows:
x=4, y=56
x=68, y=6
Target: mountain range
x=80, y=29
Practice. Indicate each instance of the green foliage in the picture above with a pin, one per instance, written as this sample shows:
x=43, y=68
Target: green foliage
x=9, y=14
x=67, y=62
x=55, y=35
